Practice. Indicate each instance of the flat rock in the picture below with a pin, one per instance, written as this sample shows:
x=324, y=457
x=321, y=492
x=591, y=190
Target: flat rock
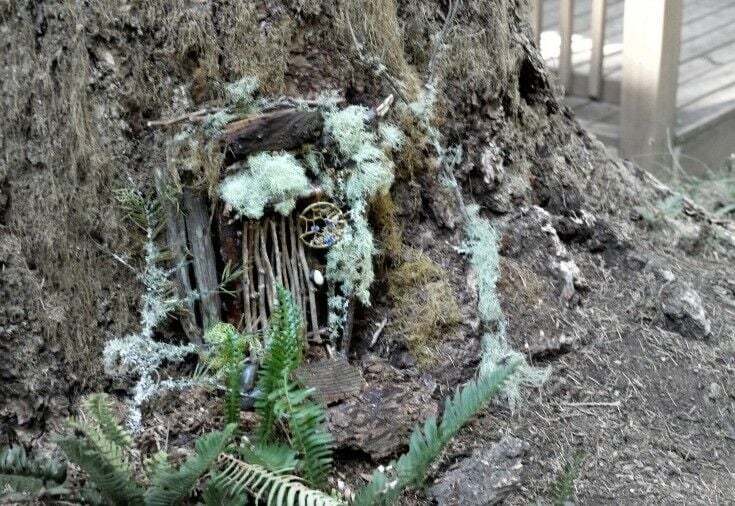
x=380, y=420
x=486, y=477
x=684, y=312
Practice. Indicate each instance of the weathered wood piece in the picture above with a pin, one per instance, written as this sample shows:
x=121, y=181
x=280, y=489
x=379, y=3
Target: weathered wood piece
x=176, y=244
x=379, y=421
x=488, y=476
x=332, y=380
x=200, y=243
x=230, y=249
x=273, y=131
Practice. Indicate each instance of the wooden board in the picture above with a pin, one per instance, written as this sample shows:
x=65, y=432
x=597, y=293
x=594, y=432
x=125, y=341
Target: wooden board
x=333, y=380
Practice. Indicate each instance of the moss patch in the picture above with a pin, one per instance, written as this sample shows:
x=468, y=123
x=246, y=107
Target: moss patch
x=424, y=305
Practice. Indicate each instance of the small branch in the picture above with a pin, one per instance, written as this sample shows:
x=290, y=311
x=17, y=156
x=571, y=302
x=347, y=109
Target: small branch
x=192, y=116
x=439, y=41
x=377, y=332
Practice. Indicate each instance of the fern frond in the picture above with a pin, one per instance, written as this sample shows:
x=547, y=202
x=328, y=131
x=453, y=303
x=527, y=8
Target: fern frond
x=282, y=357
x=426, y=444
x=308, y=428
x=170, y=486
x=233, y=371
x=275, y=457
x=217, y=495
x=98, y=406
x=108, y=450
x=271, y=488
x=114, y=484
x=22, y=480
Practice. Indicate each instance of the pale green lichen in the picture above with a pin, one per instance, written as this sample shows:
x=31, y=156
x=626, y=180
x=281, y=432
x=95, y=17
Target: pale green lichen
x=482, y=246
x=350, y=261
x=139, y=355
x=391, y=136
x=241, y=93
x=266, y=178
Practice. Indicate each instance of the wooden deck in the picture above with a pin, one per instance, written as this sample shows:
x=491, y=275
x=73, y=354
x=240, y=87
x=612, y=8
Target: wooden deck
x=705, y=97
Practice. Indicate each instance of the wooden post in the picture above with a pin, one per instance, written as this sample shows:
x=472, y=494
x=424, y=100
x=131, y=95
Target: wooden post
x=176, y=242
x=651, y=39
x=537, y=19
x=200, y=243
x=566, y=30
x=599, y=13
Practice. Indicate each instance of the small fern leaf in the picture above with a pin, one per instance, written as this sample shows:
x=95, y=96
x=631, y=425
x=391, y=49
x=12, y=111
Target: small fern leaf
x=114, y=484
x=275, y=457
x=282, y=357
x=273, y=488
x=98, y=406
x=171, y=486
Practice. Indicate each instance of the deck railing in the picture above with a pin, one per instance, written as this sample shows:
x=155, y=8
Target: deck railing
x=651, y=40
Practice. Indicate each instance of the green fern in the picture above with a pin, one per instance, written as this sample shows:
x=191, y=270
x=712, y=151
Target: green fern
x=282, y=357
x=21, y=480
x=115, y=484
x=271, y=488
x=98, y=406
x=171, y=486
x=233, y=355
x=426, y=445
x=563, y=488
x=275, y=457
x=102, y=452
x=308, y=428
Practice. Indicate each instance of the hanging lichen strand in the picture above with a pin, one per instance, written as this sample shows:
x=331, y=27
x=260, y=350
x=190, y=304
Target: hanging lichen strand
x=280, y=156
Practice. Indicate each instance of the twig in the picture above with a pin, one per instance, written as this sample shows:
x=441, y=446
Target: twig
x=295, y=269
x=246, y=277
x=439, y=41
x=310, y=288
x=271, y=279
x=377, y=332
x=261, y=281
x=276, y=253
x=615, y=404
x=192, y=116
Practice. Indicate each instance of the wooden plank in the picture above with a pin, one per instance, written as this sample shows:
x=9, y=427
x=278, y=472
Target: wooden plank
x=566, y=29
x=696, y=38
x=176, y=244
x=650, y=66
x=705, y=114
x=599, y=12
x=200, y=244
x=332, y=380
x=717, y=79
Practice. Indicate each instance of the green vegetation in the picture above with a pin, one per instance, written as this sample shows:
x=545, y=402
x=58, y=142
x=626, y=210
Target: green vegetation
x=427, y=443
x=562, y=491
x=25, y=481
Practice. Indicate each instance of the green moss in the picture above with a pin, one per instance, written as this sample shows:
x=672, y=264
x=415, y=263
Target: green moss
x=424, y=305
x=266, y=179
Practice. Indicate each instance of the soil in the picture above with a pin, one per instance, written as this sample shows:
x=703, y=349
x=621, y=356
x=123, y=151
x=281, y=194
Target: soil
x=583, y=273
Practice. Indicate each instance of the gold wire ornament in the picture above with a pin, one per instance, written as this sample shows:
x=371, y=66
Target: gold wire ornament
x=321, y=225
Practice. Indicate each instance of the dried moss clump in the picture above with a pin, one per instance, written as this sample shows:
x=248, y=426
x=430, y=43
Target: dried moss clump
x=424, y=305
x=267, y=179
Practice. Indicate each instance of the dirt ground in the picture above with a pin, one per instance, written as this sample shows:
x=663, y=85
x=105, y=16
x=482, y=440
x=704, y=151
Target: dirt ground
x=587, y=286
